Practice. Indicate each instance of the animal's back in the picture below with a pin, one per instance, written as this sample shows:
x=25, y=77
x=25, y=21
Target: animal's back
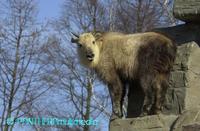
x=127, y=52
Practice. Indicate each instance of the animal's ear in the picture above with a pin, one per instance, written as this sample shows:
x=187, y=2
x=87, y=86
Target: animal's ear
x=98, y=35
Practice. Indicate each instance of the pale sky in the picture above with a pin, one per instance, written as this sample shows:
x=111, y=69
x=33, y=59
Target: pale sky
x=48, y=9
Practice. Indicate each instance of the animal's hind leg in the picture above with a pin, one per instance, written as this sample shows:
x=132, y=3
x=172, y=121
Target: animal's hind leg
x=145, y=83
x=165, y=86
x=160, y=86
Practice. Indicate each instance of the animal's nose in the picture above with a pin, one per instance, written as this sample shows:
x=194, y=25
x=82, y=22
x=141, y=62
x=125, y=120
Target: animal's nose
x=91, y=55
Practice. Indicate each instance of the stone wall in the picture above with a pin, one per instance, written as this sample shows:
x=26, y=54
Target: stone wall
x=187, y=10
x=184, y=91
x=187, y=121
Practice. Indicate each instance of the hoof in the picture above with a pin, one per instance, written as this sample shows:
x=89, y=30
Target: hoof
x=144, y=114
x=113, y=117
x=155, y=111
x=116, y=113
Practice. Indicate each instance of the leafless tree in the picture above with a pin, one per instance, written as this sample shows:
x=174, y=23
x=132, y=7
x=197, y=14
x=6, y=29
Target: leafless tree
x=19, y=70
x=140, y=15
x=80, y=87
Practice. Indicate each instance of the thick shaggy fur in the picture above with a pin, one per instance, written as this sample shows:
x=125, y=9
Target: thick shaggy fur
x=120, y=58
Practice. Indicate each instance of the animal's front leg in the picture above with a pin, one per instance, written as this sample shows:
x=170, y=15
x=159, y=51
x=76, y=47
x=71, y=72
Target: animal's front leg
x=115, y=90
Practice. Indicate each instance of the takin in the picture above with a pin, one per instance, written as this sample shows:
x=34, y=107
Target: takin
x=119, y=58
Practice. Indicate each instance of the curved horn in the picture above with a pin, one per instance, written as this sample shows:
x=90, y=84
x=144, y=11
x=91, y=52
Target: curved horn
x=75, y=34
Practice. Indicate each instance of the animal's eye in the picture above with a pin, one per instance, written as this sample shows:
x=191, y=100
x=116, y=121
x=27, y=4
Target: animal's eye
x=93, y=42
x=79, y=45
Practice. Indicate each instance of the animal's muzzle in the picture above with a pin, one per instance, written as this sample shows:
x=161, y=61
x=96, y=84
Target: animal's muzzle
x=90, y=55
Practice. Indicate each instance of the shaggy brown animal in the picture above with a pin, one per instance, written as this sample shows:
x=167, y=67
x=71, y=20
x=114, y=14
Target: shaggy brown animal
x=120, y=58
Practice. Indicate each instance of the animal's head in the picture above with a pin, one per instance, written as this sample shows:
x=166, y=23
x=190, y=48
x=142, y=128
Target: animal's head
x=88, y=48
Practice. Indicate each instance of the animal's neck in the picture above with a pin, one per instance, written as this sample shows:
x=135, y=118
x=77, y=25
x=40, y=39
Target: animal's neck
x=100, y=45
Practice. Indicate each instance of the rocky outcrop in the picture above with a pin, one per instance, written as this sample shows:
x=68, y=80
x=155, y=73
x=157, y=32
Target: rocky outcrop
x=187, y=10
x=184, y=91
x=147, y=123
x=187, y=121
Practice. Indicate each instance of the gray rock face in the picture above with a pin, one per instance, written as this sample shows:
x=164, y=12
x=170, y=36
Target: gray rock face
x=183, y=93
x=187, y=121
x=190, y=119
x=187, y=10
x=192, y=127
x=148, y=123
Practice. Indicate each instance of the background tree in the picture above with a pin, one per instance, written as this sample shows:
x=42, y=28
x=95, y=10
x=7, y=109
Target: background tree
x=19, y=70
x=140, y=15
